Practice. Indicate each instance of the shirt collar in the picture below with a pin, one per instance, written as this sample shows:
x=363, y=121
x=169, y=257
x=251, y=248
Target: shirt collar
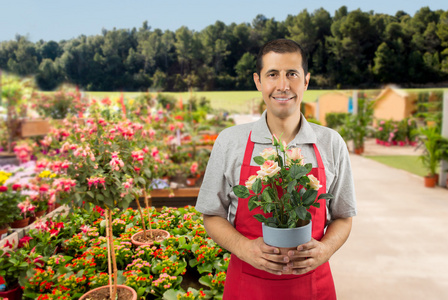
x=262, y=135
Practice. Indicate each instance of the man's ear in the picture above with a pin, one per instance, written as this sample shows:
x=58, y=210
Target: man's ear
x=257, y=81
x=307, y=80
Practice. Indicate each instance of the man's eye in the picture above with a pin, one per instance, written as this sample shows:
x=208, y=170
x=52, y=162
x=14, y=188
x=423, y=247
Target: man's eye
x=293, y=74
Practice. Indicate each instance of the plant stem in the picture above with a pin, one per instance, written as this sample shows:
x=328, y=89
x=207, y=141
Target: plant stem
x=114, y=260
x=141, y=214
x=145, y=195
x=108, y=254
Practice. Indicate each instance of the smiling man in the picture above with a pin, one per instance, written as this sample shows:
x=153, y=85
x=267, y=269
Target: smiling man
x=256, y=270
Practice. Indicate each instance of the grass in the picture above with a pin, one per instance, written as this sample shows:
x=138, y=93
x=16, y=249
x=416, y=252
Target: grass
x=409, y=163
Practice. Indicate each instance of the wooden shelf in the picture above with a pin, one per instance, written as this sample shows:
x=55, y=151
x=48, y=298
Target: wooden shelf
x=181, y=193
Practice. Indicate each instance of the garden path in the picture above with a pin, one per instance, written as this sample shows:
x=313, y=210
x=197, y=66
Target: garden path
x=398, y=245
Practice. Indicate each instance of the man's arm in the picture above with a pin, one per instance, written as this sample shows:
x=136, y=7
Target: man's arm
x=254, y=252
x=317, y=253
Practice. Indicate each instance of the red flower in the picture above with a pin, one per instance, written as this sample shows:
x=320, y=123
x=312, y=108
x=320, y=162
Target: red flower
x=25, y=240
x=3, y=188
x=16, y=187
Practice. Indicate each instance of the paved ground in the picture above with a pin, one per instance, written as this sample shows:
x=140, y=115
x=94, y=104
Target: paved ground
x=398, y=248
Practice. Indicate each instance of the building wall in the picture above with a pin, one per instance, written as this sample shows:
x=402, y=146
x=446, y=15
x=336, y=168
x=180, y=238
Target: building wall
x=332, y=103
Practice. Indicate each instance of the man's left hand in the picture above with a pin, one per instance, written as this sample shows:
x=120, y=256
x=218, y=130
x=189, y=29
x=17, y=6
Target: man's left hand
x=307, y=257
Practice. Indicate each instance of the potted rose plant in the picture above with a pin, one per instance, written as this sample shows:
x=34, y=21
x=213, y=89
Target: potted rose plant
x=282, y=188
x=103, y=168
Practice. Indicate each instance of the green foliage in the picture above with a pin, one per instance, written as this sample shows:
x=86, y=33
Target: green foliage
x=335, y=120
x=352, y=48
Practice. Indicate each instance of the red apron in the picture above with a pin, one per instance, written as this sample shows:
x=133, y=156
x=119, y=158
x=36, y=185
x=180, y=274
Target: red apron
x=246, y=282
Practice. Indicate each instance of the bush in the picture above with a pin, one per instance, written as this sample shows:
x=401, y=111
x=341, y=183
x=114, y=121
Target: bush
x=334, y=120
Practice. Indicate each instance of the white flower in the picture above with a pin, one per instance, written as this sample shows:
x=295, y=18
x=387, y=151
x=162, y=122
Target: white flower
x=314, y=183
x=268, y=152
x=250, y=181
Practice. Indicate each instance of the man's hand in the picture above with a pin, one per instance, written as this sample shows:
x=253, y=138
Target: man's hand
x=263, y=257
x=307, y=257
x=311, y=255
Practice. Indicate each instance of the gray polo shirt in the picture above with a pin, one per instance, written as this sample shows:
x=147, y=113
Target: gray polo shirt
x=216, y=196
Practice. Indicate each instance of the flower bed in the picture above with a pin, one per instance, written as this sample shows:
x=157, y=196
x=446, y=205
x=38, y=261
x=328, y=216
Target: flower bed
x=66, y=256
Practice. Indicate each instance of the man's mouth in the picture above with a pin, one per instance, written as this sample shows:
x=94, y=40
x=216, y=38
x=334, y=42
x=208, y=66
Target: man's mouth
x=283, y=98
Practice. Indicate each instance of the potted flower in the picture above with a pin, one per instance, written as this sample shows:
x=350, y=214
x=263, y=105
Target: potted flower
x=431, y=139
x=22, y=213
x=103, y=167
x=9, y=198
x=283, y=190
x=12, y=266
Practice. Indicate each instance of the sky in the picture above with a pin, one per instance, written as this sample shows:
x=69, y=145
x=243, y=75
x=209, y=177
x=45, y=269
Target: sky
x=63, y=20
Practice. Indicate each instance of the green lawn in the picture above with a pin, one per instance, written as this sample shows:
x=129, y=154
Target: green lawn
x=409, y=163
x=239, y=101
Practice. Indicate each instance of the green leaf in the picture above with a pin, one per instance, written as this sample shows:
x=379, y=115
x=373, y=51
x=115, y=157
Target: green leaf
x=325, y=196
x=301, y=212
x=241, y=191
x=292, y=186
x=298, y=171
x=260, y=218
x=259, y=160
x=91, y=194
x=309, y=197
x=316, y=204
x=147, y=172
x=256, y=186
x=253, y=203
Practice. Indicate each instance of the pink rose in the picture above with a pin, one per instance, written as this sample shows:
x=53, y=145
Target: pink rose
x=269, y=169
x=294, y=154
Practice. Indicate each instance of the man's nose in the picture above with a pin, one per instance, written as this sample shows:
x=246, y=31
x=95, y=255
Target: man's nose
x=283, y=83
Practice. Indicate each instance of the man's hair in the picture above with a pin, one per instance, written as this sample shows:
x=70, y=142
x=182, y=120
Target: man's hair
x=281, y=46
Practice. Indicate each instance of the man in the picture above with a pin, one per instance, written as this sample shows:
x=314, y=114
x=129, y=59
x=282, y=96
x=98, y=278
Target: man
x=256, y=270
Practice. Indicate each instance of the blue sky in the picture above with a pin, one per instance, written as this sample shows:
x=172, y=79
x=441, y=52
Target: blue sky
x=59, y=19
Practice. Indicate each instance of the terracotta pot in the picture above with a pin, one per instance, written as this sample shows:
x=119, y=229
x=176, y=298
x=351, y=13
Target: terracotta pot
x=20, y=223
x=164, y=235
x=3, y=231
x=14, y=294
x=430, y=181
x=359, y=150
x=134, y=293
x=191, y=181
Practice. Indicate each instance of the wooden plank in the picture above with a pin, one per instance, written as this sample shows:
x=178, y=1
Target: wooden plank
x=34, y=128
x=182, y=193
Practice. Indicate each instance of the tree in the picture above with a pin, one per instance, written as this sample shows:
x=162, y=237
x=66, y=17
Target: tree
x=244, y=70
x=49, y=76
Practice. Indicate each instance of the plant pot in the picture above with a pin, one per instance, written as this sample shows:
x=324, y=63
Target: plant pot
x=286, y=237
x=191, y=181
x=359, y=150
x=3, y=231
x=123, y=293
x=20, y=223
x=430, y=181
x=14, y=294
x=159, y=235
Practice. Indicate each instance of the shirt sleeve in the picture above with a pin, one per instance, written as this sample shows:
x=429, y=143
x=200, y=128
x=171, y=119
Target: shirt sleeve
x=213, y=196
x=344, y=203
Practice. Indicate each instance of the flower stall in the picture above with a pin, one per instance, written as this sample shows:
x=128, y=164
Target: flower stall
x=115, y=166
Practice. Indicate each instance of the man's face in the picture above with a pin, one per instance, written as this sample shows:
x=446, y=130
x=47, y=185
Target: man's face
x=282, y=82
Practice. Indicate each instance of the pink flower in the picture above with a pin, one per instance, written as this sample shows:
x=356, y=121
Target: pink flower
x=194, y=168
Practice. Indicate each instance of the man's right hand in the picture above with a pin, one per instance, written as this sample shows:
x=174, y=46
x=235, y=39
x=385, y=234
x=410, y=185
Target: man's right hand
x=262, y=256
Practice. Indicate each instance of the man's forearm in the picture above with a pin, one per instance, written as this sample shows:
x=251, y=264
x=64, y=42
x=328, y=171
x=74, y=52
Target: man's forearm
x=224, y=234
x=337, y=234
